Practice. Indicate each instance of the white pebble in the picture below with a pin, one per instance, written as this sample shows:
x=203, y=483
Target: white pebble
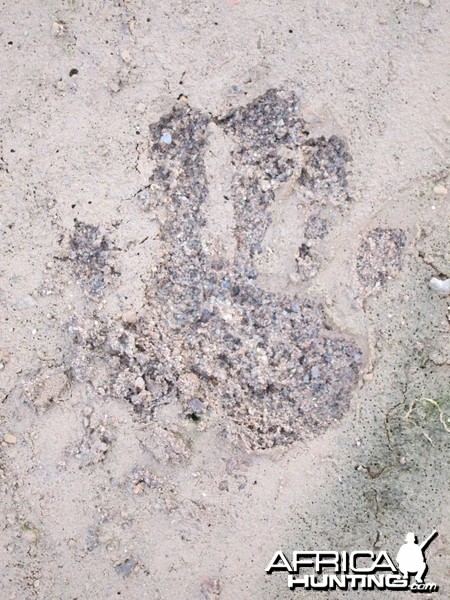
x=125, y=55
x=166, y=138
x=441, y=286
x=139, y=383
x=440, y=190
x=129, y=317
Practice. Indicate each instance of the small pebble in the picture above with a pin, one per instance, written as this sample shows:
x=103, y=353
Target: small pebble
x=440, y=190
x=441, y=286
x=139, y=383
x=166, y=138
x=129, y=317
x=125, y=55
x=9, y=438
x=197, y=406
x=58, y=28
x=437, y=358
x=4, y=356
x=114, y=87
x=126, y=567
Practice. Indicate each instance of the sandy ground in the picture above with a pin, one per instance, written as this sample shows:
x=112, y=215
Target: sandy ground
x=219, y=220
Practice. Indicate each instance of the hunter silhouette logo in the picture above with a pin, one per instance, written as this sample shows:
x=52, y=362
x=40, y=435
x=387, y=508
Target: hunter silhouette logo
x=358, y=570
x=411, y=557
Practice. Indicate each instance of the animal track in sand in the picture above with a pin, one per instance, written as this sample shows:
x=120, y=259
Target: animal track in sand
x=210, y=340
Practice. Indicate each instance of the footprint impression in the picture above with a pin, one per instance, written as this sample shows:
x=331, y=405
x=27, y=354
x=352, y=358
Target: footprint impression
x=211, y=341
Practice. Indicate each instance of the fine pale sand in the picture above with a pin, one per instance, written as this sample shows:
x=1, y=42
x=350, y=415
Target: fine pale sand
x=218, y=338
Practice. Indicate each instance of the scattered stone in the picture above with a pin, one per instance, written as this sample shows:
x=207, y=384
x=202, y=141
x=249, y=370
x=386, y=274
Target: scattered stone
x=440, y=190
x=166, y=138
x=196, y=406
x=139, y=384
x=125, y=55
x=126, y=568
x=59, y=28
x=438, y=358
x=114, y=86
x=441, y=286
x=130, y=317
x=9, y=438
x=223, y=486
x=138, y=488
